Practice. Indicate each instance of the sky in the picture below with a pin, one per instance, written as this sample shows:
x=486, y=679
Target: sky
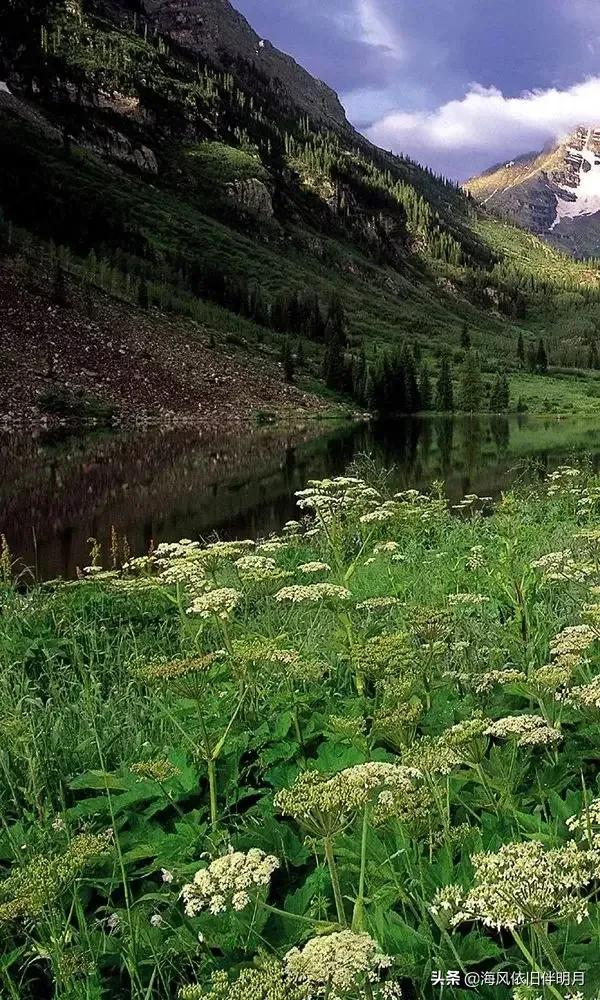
x=459, y=85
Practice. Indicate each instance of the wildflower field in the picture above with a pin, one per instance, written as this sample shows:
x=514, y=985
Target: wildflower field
x=359, y=760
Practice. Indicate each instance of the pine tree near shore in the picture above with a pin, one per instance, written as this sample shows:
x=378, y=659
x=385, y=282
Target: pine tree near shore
x=471, y=384
x=541, y=360
x=335, y=345
x=500, y=395
x=425, y=387
x=444, y=397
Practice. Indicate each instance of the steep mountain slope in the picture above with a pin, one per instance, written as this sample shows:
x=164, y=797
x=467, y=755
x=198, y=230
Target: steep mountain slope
x=160, y=152
x=555, y=193
x=214, y=29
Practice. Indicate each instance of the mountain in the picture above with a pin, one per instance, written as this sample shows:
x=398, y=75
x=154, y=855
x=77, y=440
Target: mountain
x=164, y=155
x=555, y=193
x=214, y=29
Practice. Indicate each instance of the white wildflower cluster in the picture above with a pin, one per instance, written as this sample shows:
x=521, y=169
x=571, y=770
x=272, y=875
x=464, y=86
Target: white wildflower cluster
x=184, y=563
x=265, y=983
x=563, y=566
x=336, y=965
x=476, y=558
x=475, y=600
x=229, y=882
x=588, y=500
x=379, y=604
x=313, y=593
x=311, y=568
x=555, y=676
x=421, y=507
x=386, y=548
x=380, y=515
x=472, y=502
x=586, y=824
x=440, y=755
x=562, y=479
x=272, y=547
x=256, y=569
x=180, y=563
x=522, y=884
x=219, y=603
x=574, y=639
x=254, y=562
x=325, y=805
x=343, y=497
x=527, y=730
x=582, y=696
x=483, y=683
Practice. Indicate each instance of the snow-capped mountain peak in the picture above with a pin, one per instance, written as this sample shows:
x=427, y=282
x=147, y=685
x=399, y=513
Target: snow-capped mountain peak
x=555, y=193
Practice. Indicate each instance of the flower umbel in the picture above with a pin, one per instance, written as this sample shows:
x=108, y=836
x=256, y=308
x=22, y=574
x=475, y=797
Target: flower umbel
x=229, y=882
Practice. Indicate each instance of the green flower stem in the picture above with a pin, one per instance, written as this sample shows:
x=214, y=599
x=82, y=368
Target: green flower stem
x=545, y=944
x=358, y=916
x=358, y=674
x=212, y=773
x=317, y=924
x=335, y=881
x=212, y=789
x=532, y=963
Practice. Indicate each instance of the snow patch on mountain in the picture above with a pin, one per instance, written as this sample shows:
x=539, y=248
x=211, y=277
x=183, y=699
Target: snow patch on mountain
x=4, y=88
x=585, y=197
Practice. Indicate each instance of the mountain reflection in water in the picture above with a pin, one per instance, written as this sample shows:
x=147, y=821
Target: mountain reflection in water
x=59, y=490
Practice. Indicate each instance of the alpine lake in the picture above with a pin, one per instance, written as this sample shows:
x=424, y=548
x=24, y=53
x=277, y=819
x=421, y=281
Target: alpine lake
x=60, y=490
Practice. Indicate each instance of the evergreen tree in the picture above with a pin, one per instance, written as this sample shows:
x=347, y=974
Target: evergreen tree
x=359, y=375
x=335, y=345
x=465, y=337
x=408, y=374
x=425, y=387
x=300, y=355
x=541, y=361
x=521, y=350
x=471, y=384
x=500, y=395
x=593, y=359
x=444, y=397
x=370, y=391
x=287, y=360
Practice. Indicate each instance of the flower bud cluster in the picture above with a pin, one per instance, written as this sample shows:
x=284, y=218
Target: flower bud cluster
x=324, y=806
x=27, y=891
x=336, y=965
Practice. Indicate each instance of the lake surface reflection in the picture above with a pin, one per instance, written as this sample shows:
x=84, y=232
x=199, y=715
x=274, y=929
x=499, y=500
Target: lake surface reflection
x=59, y=490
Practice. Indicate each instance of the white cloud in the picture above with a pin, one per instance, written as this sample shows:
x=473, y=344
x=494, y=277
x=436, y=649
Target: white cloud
x=367, y=21
x=485, y=126
x=377, y=29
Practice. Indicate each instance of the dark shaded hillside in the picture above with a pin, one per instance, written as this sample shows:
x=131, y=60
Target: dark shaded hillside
x=169, y=159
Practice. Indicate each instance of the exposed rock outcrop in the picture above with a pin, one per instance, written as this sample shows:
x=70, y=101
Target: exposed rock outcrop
x=251, y=195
